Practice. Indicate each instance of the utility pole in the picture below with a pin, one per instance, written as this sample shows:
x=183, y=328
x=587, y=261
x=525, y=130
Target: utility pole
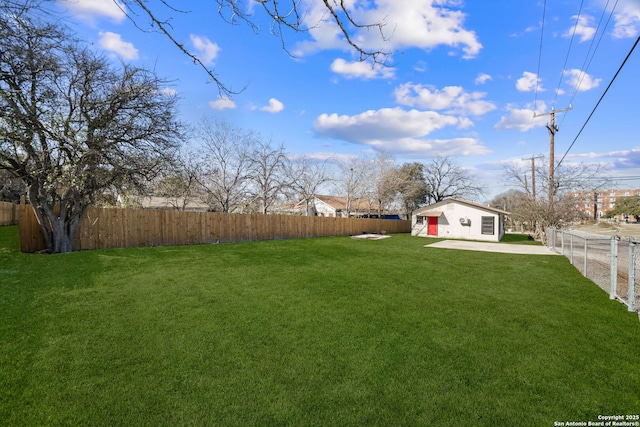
x=553, y=128
x=533, y=175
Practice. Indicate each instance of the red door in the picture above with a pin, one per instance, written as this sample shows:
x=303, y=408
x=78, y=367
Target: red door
x=432, y=226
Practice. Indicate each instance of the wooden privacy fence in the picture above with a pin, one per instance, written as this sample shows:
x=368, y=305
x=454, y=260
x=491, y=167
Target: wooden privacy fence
x=127, y=228
x=8, y=213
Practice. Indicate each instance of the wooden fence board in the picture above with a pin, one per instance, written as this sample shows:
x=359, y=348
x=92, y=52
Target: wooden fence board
x=121, y=228
x=9, y=213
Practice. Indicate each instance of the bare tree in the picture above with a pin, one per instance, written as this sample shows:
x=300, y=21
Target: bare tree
x=384, y=180
x=516, y=202
x=575, y=177
x=225, y=163
x=446, y=179
x=305, y=177
x=412, y=187
x=180, y=183
x=72, y=126
x=11, y=188
x=559, y=208
x=292, y=15
x=510, y=200
x=351, y=184
x=369, y=184
x=268, y=166
x=286, y=16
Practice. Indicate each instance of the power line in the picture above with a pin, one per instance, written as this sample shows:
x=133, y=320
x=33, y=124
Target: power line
x=587, y=60
x=566, y=59
x=598, y=103
x=585, y=64
x=544, y=11
x=537, y=84
x=612, y=178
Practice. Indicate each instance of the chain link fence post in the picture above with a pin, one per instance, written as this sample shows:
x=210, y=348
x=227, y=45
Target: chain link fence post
x=571, y=248
x=614, y=267
x=586, y=245
x=604, y=264
x=632, y=276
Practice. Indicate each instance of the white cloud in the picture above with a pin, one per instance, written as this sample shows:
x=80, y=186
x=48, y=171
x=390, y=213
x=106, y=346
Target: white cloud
x=452, y=99
x=528, y=81
x=583, y=28
x=408, y=23
x=361, y=69
x=207, y=51
x=580, y=81
x=386, y=123
x=222, y=104
x=522, y=119
x=169, y=91
x=112, y=42
x=274, y=106
x=421, y=148
x=398, y=131
x=616, y=160
x=628, y=159
x=627, y=19
x=482, y=78
x=320, y=156
x=90, y=10
x=533, y=28
x=420, y=66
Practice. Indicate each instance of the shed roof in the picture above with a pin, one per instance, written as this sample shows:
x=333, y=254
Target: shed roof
x=461, y=202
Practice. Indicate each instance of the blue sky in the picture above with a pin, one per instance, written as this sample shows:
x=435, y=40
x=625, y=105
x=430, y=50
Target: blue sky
x=464, y=80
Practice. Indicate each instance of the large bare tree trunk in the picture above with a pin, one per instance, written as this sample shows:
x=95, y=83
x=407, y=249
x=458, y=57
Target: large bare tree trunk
x=59, y=225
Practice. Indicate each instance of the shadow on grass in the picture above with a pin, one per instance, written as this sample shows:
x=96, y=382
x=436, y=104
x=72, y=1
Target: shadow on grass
x=522, y=239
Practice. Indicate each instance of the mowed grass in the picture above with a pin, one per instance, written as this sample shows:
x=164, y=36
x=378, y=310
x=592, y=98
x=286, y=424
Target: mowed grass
x=310, y=332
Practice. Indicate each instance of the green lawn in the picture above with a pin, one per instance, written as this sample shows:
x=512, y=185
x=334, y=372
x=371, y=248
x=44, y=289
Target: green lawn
x=522, y=239
x=311, y=332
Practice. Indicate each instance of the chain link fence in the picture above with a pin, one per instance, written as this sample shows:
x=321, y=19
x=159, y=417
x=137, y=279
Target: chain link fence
x=612, y=263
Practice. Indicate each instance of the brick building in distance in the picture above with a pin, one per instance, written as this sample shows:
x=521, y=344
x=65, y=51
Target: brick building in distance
x=596, y=204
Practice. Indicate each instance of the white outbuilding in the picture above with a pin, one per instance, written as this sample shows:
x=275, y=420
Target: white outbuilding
x=459, y=219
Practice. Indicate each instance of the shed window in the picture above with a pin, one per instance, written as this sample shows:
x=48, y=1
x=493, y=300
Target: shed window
x=488, y=225
x=419, y=219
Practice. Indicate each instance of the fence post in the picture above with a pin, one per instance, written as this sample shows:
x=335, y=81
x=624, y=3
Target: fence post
x=614, y=267
x=632, y=277
x=586, y=245
x=571, y=248
x=562, y=241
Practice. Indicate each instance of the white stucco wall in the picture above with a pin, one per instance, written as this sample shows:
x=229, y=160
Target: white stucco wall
x=449, y=225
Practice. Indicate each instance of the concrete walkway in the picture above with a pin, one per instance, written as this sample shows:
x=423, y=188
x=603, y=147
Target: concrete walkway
x=492, y=247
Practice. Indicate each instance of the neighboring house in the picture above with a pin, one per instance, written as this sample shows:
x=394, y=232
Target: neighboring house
x=459, y=219
x=155, y=202
x=334, y=206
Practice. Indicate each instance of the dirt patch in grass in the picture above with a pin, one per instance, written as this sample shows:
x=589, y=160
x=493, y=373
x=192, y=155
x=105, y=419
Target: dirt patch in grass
x=370, y=236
